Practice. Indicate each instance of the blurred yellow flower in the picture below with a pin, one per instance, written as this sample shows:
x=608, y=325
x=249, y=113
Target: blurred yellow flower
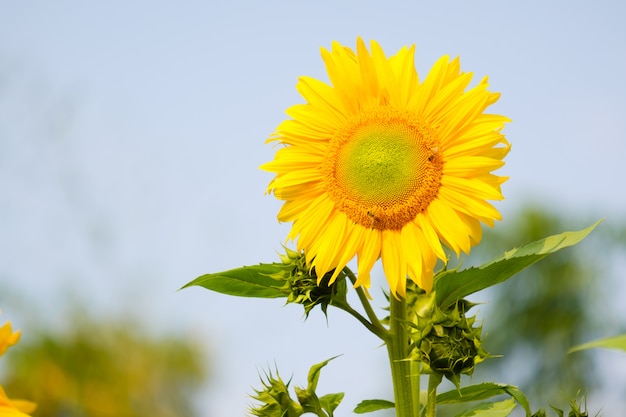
x=7, y=337
x=8, y=407
x=14, y=408
x=380, y=165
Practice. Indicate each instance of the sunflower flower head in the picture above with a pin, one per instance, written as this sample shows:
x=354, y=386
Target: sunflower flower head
x=378, y=164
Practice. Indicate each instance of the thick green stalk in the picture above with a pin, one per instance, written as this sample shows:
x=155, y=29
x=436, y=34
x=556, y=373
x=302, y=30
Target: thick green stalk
x=398, y=349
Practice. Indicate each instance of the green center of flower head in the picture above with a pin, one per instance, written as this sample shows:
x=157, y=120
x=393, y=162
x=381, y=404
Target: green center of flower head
x=379, y=164
x=383, y=168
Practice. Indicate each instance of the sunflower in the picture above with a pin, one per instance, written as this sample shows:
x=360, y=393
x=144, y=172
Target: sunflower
x=377, y=164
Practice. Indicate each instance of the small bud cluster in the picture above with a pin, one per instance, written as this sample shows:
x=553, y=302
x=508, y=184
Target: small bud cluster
x=303, y=286
x=575, y=411
x=275, y=400
x=445, y=340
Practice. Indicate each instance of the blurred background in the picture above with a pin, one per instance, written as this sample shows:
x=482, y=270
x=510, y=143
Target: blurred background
x=130, y=139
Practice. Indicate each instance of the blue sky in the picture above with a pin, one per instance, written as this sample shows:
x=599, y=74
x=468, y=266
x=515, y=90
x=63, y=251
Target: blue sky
x=131, y=135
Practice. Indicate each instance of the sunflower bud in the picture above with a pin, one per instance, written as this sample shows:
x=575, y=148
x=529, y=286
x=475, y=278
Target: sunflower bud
x=275, y=400
x=445, y=341
x=302, y=285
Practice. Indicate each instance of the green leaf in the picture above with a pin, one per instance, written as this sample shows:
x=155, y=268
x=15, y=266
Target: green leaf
x=617, y=342
x=314, y=374
x=367, y=406
x=452, y=285
x=499, y=409
x=330, y=401
x=309, y=400
x=247, y=281
x=482, y=392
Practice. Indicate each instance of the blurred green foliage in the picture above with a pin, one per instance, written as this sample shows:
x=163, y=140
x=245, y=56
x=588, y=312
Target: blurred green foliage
x=535, y=317
x=105, y=369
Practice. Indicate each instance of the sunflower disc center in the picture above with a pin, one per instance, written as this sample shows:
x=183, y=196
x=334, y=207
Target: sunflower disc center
x=378, y=165
x=383, y=168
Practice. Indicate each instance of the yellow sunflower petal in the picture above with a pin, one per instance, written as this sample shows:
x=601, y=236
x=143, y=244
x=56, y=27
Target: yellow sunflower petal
x=328, y=248
x=307, y=226
x=410, y=236
x=429, y=87
x=394, y=265
x=424, y=279
x=430, y=236
x=367, y=255
x=353, y=241
x=368, y=72
x=343, y=72
x=387, y=76
x=451, y=230
x=312, y=117
x=403, y=66
x=321, y=95
x=293, y=132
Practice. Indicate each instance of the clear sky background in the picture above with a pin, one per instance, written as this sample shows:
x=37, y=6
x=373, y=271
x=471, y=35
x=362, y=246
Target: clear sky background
x=131, y=133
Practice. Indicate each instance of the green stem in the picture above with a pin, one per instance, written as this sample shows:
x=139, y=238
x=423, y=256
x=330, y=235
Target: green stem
x=376, y=326
x=368, y=308
x=398, y=349
x=380, y=331
x=415, y=381
x=433, y=382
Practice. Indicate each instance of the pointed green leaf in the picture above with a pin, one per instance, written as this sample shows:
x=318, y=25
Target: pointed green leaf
x=247, y=281
x=617, y=342
x=499, y=409
x=367, y=406
x=314, y=374
x=482, y=392
x=452, y=285
x=330, y=401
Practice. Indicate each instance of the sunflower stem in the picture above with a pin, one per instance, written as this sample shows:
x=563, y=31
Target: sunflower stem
x=398, y=349
x=415, y=381
x=376, y=326
x=378, y=331
x=433, y=382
